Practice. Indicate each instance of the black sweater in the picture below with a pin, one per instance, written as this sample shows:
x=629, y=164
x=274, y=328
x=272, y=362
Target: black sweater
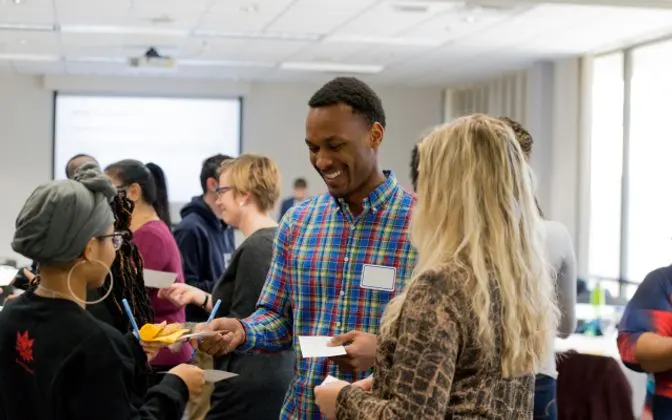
x=57, y=362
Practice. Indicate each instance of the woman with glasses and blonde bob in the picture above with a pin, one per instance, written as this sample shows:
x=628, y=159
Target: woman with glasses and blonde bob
x=56, y=360
x=249, y=188
x=468, y=333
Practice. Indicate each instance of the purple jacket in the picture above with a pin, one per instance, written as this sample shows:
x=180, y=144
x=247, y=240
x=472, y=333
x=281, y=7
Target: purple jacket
x=159, y=252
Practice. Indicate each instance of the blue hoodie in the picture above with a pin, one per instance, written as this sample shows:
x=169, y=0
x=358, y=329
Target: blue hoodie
x=206, y=244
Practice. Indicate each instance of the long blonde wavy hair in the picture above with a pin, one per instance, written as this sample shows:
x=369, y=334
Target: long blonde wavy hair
x=476, y=212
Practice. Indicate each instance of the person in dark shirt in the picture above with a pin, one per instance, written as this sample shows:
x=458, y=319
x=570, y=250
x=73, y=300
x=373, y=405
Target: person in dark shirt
x=248, y=190
x=205, y=241
x=57, y=361
x=300, y=194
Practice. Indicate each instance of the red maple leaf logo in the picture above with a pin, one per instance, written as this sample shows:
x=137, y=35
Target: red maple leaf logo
x=24, y=346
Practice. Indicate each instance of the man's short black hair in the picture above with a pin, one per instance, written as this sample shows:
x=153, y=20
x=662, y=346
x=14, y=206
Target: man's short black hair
x=210, y=169
x=300, y=183
x=69, y=172
x=415, y=164
x=354, y=93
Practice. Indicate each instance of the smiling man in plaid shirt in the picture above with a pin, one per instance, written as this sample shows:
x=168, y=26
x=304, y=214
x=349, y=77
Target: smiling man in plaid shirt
x=339, y=257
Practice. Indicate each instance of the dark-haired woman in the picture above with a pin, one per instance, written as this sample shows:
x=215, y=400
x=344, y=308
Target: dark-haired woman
x=145, y=186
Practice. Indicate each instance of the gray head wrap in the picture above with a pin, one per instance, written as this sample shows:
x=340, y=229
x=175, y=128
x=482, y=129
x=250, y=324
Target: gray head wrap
x=60, y=217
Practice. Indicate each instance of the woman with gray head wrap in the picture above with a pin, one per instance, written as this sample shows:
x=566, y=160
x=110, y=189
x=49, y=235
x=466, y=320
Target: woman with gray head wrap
x=56, y=360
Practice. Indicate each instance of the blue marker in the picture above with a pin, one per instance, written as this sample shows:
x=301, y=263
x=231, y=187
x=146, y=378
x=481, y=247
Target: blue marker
x=129, y=313
x=213, y=313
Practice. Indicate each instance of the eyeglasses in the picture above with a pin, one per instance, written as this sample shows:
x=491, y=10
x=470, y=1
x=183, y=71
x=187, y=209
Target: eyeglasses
x=222, y=190
x=117, y=239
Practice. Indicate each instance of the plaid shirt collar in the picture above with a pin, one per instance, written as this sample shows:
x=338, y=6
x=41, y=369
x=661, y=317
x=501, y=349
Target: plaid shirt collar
x=376, y=198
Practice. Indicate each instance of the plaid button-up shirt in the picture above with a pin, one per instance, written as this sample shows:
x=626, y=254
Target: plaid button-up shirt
x=313, y=285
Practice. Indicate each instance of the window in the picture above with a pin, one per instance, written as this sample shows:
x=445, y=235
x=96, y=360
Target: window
x=648, y=222
x=606, y=167
x=175, y=133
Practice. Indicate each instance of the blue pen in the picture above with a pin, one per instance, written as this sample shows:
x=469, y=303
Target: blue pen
x=213, y=313
x=129, y=313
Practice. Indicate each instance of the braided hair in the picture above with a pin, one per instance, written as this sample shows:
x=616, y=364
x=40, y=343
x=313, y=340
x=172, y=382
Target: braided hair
x=127, y=270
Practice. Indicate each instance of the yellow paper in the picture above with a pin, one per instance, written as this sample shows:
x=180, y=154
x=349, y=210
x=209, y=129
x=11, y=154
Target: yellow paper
x=162, y=333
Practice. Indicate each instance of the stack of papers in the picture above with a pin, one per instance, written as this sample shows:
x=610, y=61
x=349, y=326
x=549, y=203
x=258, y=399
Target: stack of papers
x=316, y=347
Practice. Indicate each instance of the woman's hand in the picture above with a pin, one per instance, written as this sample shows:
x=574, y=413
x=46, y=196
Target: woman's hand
x=326, y=396
x=180, y=294
x=365, y=384
x=152, y=349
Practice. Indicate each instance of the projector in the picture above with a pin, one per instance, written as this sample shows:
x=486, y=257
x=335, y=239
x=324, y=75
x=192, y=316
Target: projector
x=152, y=60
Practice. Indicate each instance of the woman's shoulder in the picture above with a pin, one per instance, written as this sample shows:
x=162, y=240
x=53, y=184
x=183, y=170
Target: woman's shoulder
x=443, y=286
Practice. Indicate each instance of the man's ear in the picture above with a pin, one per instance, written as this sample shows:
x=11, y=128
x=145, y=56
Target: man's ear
x=376, y=133
x=211, y=185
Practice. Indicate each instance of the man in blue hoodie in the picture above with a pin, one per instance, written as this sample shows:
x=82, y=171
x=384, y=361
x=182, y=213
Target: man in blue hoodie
x=205, y=241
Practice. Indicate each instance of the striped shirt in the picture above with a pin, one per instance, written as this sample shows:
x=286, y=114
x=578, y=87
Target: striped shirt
x=649, y=310
x=313, y=286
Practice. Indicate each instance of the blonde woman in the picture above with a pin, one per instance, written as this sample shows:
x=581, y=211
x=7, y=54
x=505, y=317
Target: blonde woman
x=249, y=188
x=469, y=332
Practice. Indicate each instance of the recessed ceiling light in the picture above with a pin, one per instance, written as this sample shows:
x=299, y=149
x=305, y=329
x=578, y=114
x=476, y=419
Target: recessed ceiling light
x=469, y=19
x=17, y=1
x=23, y=41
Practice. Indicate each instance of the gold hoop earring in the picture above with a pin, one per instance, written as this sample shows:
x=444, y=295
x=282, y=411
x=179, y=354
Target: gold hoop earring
x=93, y=302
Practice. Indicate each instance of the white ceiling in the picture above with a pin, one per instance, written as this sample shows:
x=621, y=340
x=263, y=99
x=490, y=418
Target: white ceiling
x=416, y=42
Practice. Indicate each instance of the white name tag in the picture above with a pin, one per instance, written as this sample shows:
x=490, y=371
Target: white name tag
x=378, y=277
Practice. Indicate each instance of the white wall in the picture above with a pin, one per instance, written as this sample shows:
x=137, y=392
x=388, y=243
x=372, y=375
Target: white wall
x=273, y=124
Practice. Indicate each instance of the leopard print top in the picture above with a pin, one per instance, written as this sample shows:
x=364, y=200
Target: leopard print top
x=430, y=367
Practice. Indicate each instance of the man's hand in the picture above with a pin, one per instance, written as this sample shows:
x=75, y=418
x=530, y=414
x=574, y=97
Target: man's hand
x=361, y=349
x=230, y=335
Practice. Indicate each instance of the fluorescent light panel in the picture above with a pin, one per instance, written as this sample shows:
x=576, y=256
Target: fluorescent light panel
x=225, y=63
x=280, y=36
x=29, y=57
x=6, y=26
x=122, y=30
x=400, y=41
x=332, y=67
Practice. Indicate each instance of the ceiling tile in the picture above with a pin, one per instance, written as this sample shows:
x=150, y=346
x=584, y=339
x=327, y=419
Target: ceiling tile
x=386, y=54
x=384, y=20
x=170, y=13
x=211, y=48
x=223, y=72
x=243, y=15
x=92, y=12
x=27, y=42
x=328, y=51
x=37, y=11
x=38, y=67
x=614, y=25
x=269, y=50
x=311, y=16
